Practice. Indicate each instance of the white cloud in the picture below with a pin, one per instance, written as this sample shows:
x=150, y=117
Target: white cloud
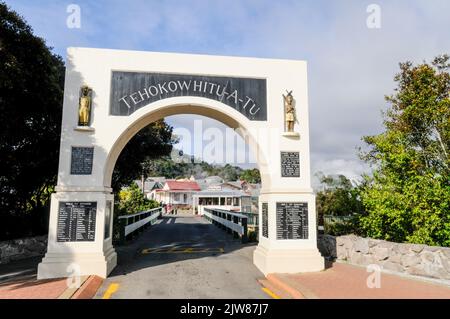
x=351, y=67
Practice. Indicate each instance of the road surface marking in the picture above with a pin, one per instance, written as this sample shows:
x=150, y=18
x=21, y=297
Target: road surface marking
x=111, y=289
x=179, y=250
x=270, y=293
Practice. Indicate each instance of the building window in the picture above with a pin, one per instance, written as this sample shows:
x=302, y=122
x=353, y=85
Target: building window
x=246, y=209
x=222, y=201
x=185, y=198
x=229, y=201
x=236, y=201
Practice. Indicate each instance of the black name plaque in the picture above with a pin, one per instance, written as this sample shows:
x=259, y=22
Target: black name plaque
x=292, y=220
x=265, y=220
x=76, y=221
x=290, y=164
x=81, y=160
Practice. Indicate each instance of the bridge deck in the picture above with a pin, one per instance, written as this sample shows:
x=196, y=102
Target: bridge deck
x=184, y=256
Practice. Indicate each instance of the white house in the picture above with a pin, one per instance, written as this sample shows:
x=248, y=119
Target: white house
x=177, y=194
x=151, y=184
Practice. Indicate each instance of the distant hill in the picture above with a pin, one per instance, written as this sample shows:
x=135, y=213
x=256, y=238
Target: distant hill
x=184, y=166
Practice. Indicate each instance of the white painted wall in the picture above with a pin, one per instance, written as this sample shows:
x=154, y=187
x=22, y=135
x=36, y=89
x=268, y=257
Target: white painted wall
x=93, y=67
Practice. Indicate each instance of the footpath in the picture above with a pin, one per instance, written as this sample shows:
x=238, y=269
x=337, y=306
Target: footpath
x=340, y=281
x=18, y=281
x=344, y=281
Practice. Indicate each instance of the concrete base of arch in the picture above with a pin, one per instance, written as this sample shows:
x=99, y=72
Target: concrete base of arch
x=67, y=259
x=287, y=260
x=280, y=255
x=60, y=265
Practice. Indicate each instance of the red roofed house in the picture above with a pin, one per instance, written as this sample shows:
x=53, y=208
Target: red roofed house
x=177, y=194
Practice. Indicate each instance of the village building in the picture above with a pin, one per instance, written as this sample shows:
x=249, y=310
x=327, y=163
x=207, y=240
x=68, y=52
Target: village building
x=207, y=182
x=231, y=200
x=176, y=194
x=150, y=185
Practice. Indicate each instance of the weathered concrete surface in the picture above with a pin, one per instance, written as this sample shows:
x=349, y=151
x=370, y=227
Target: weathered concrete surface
x=412, y=259
x=180, y=274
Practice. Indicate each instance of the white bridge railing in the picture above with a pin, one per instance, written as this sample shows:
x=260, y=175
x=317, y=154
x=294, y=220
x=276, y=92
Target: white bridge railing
x=233, y=223
x=130, y=224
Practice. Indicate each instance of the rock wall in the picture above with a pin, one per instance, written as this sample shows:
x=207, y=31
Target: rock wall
x=413, y=259
x=22, y=248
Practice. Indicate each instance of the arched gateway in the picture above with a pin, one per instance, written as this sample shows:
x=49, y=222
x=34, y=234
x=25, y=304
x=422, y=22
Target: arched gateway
x=123, y=91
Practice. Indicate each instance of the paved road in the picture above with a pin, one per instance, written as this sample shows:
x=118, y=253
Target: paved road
x=184, y=256
x=19, y=269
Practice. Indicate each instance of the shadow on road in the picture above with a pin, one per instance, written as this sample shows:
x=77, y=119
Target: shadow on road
x=173, y=239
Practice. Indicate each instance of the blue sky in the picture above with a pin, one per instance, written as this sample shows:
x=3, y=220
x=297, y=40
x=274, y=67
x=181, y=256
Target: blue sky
x=351, y=67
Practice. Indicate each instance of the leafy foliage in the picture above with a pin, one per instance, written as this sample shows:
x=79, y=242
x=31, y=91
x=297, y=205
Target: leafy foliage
x=184, y=169
x=31, y=93
x=338, y=197
x=340, y=228
x=408, y=196
x=251, y=176
x=149, y=144
x=131, y=201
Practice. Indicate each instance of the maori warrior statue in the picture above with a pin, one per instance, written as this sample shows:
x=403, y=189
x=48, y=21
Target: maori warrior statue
x=84, y=108
x=289, y=111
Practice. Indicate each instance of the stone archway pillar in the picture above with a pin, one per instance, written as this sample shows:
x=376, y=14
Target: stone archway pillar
x=275, y=254
x=95, y=255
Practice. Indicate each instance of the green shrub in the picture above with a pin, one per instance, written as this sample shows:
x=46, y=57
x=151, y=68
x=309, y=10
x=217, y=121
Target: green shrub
x=252, y=236
x=340, y=228
x=130, y=201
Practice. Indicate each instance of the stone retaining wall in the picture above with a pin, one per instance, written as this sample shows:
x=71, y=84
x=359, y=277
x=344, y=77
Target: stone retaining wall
x=22, y=248
x=413, y=259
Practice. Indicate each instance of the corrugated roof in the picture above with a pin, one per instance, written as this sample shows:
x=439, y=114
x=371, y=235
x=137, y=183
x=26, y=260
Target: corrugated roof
x=182, y=185
x=235, y=184
x=222, y=193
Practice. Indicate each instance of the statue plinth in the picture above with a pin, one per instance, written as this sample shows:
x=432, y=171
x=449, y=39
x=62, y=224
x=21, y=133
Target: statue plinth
x=84, y=128
x=293, y=135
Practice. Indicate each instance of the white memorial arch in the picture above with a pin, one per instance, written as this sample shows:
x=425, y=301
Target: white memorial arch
x=131, y=89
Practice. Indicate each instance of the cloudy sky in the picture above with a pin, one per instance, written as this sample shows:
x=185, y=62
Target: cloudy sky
x=351, y=66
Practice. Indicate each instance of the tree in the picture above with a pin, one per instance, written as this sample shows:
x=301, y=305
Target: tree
x=229, y=172
x=31, y=93
x=130, y=200
x=338, y=197
x=251, y=176
x=149, y=144
x=408, y=196
x=167, y=167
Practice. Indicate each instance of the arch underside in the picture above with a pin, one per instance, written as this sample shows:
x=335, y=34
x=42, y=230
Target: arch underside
x=177, y=109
